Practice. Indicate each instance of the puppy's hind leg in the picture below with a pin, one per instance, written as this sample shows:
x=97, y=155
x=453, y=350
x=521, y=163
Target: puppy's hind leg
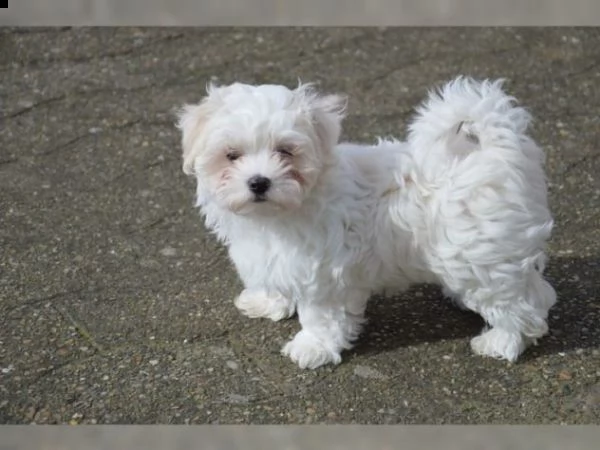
x=516, y=316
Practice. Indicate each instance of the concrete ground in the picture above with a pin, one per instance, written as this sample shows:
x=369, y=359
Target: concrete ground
x=116, y=305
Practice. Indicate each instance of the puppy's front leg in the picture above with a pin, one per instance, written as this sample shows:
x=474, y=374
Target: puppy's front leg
x=258, y=302
x=330, y=324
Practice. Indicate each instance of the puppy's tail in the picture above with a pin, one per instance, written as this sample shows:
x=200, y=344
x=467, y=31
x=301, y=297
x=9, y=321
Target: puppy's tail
x=468, y=115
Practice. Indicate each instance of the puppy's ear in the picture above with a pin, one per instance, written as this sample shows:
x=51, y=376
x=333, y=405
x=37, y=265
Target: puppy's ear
x=328, y=112
x=191, y=122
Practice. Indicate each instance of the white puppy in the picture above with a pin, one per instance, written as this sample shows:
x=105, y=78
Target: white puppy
x=316, y=227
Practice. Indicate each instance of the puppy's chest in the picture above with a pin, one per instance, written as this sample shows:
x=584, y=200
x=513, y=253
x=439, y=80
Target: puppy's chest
x=294, y=259
x=282, y=266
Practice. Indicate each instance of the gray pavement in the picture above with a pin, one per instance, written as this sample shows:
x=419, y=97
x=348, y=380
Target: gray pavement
x=116, y=305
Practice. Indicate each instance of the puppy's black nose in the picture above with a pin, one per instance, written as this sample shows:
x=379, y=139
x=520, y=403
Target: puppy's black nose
x=259, y=184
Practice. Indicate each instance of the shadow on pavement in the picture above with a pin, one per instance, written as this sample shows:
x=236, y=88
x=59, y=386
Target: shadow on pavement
x=423, y=315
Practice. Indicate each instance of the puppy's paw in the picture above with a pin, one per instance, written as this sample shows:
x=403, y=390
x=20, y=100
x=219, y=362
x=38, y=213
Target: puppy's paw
x=309, y=352
x=499, y=344
x=258, y=303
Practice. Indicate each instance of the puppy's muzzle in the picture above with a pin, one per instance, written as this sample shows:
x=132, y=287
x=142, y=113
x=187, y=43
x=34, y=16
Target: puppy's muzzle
x=259, y=186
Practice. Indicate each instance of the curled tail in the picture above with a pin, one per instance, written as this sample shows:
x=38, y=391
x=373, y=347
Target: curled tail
x=469, y=115
x=470, y=144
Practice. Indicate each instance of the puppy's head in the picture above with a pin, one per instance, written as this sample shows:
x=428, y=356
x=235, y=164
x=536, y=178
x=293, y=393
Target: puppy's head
x=255, y=149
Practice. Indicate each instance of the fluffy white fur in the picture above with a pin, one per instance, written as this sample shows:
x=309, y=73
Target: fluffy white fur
x=461, y=203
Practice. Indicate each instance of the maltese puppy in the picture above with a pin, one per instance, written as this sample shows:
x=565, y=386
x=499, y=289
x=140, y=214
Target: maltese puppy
x=316, y=227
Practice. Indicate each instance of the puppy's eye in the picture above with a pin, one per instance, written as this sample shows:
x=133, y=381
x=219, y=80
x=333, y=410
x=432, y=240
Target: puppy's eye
x=232, y=155
x=285, y=150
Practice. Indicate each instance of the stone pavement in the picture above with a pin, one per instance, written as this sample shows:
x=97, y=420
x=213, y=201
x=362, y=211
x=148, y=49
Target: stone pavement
x=116, y=305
